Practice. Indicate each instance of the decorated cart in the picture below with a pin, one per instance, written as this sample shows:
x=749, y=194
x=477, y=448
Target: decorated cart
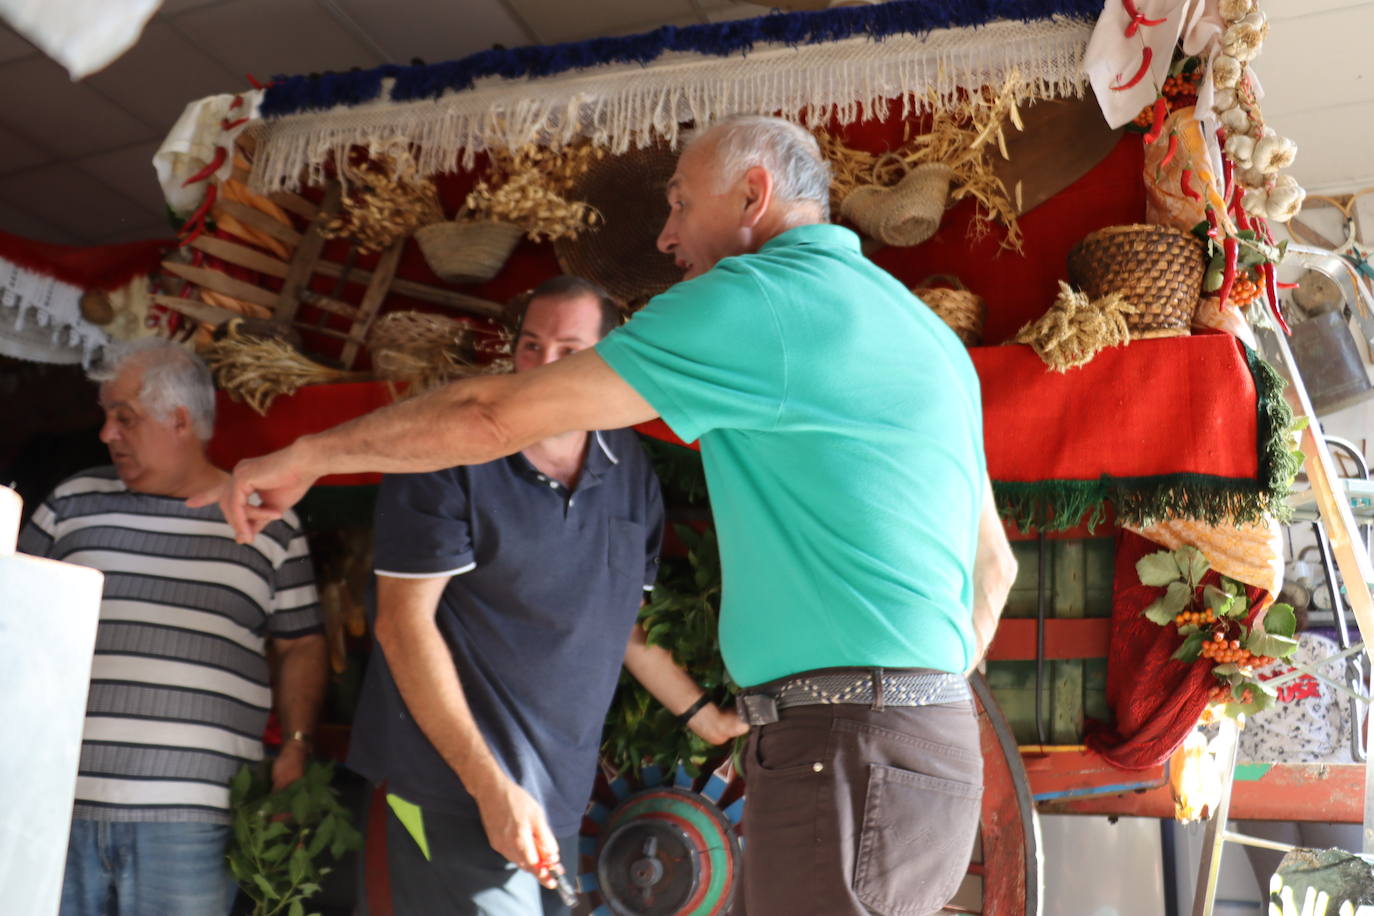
x=1087, y=194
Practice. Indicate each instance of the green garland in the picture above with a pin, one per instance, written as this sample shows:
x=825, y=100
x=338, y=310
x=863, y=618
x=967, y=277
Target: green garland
x=1057, y=505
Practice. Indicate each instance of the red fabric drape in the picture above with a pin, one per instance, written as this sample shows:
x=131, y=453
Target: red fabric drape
x=1156, y=700
x=102, y=267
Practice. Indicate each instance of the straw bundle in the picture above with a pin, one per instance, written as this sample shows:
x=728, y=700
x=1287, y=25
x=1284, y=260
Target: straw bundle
x=386, y=199
x=422, y=350
x=526, y=187
x=258, y=369
x=1074, y=329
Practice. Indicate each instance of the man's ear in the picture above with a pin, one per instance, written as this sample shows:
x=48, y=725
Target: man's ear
x=758, y=195
x=181, y=422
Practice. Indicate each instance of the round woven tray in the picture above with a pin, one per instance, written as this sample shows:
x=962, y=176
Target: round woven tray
x=962, y=310
x=1156, y=269
x=467, y=252
x=622, y=253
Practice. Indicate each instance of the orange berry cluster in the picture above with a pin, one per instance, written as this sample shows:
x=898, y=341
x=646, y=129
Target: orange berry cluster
x=1221, y=693
x=1182, y=84
x=1244, y=291
x=1222, y=650
x=1201, y=618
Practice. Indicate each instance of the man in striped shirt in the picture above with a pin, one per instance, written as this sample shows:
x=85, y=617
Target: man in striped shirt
x=180, y=688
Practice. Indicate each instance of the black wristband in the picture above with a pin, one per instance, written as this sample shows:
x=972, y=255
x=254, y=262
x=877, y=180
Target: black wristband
x=686, y=715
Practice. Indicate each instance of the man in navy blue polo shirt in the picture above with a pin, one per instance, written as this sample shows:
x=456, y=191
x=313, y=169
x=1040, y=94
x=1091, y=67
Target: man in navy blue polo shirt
x=506, y=597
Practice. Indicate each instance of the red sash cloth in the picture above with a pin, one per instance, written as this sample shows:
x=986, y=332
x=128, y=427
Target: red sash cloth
x=1179, y=405
x=1157, y=701
x=241, y=433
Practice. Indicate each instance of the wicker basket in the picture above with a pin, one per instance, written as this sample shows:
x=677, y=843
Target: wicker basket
x=467, y=252
x=1157, y=269
x=957, y=307
x=905, y=214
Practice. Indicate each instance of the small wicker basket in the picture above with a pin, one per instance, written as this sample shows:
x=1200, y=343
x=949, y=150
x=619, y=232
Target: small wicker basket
x=905, y=214
x=956, y=305
x=467, y=252
x=1157, y=269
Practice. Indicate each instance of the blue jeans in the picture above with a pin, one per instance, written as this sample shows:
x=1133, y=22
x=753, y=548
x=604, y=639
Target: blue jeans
x=117, y=868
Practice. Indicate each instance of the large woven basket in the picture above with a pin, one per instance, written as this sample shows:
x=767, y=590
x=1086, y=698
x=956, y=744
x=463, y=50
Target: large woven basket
x=1157, y=269
x=956, y=305
x=467, y=252
x=905, y=214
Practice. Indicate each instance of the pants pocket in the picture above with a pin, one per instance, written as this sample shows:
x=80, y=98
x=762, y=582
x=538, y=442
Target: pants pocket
x=915, y=842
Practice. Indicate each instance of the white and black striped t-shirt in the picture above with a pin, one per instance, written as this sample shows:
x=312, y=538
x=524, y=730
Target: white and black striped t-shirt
x=179, y=690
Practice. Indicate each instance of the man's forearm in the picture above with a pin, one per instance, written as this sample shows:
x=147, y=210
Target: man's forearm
x=301, y=681
x=653, y=666
x=422, y=667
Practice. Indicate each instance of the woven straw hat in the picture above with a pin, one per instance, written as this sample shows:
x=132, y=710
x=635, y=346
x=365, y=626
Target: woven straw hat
x=622, y=254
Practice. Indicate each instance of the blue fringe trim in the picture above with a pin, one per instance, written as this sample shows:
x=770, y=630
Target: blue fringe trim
x=315, y=92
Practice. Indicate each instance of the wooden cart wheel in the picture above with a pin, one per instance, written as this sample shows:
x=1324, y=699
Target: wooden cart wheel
x=1004, y=878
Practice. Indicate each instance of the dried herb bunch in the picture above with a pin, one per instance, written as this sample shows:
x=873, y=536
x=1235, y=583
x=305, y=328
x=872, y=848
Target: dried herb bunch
x=386, y=199
x=961, y=137
x=528, y=187
x=258, y=369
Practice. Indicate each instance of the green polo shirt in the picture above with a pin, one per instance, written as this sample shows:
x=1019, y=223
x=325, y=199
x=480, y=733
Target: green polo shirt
x=841, y=434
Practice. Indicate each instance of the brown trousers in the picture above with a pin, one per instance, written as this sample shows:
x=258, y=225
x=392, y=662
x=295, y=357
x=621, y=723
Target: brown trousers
x=855, y=810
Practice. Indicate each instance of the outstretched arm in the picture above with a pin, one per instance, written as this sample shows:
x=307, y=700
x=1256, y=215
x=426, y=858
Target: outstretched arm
x=465, y=422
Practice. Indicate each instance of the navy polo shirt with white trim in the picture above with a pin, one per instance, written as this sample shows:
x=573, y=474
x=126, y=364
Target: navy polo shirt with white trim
x=546, y=584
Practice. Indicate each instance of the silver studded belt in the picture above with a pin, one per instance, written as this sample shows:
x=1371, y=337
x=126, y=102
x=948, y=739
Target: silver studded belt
x=874, y=687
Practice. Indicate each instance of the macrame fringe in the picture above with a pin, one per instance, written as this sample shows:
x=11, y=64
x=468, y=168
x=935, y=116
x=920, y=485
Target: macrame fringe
x=47, y=303
x=1058, y=505
x=621, y=105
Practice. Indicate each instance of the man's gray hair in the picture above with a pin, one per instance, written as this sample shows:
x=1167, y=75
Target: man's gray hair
x=788, y=151
x=172, y=377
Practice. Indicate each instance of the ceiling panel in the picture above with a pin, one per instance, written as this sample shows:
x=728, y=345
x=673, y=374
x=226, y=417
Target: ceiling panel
x=130, y=172
x=735, y=11
x=1286, y=10
x=1331, y=156
x=21, y=222
x=73, y=201
x=1346, y=75
x=560, y=20
x=436, y=32
x=18, y=153
x=71, y=119
x=12, y=46
x=271, y=37
x=137, y=233
x=156, y=79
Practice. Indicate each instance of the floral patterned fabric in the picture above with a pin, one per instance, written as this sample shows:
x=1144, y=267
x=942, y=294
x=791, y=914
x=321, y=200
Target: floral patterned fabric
x=1310, y=721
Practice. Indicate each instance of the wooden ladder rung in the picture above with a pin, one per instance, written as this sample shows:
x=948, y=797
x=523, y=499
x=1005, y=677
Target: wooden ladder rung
x=328, y=304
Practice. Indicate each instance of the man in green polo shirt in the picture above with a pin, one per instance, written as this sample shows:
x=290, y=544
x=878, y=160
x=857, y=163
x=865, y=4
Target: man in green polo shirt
x=864, y=564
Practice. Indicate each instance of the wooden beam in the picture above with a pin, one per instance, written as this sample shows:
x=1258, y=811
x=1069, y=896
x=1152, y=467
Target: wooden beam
x=206, y=314
x=306, y=258
x=241, y=255
x=377, y=289
x=256, y=219
x=218, y=282
x=329, y=304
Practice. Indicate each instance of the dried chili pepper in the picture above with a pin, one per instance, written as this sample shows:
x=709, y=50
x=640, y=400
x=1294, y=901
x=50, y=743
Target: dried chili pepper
x=1157, y=126
x=1137, y=18
x=194, y=234
x=209, y=168
x=199, y=215
x=1231, y=249
x=1139, y=74
x=226, y=124
x=1185, y=184
x=1272, y=293
x=238, y=102
x=1242, y=220
x=1286, y=285
x=1213, y=230
x=1169, y=153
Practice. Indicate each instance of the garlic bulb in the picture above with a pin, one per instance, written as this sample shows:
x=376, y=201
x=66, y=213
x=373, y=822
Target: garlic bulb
x=1235, y=120
x=1284, y=203
x=1255, y=202
x=1225, y=71
x=1240, y=147
x=1273, y=153
x=1242, y=39
x=1250, y=177
x=1233, y=10
x=1223, y=99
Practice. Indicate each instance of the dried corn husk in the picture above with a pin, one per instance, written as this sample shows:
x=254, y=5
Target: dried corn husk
x=526, y=187
x=1252, y=554
x=257, y=369
x=385, y=199
x=960, y=137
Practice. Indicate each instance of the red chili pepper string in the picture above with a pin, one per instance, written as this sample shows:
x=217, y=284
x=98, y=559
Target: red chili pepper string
x=209, y=168
x=1272, y=293
x=1137, y=18
x=1157, y=126
x=1139, y=74
x=198, y=217
x=1185, y=184
x=1213, y=230
x=1169, y=153
x=226, y=124
x=1242, y=220
x=1231, y=248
